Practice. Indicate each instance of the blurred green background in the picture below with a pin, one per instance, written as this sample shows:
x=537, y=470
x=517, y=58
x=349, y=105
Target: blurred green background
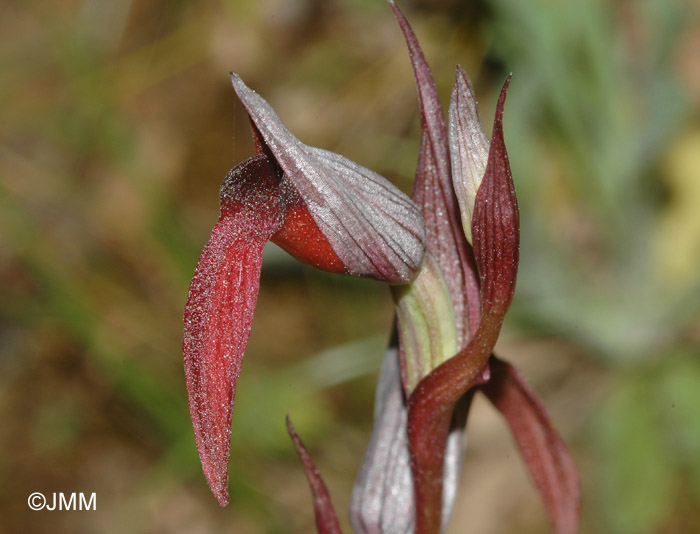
x=117, y=125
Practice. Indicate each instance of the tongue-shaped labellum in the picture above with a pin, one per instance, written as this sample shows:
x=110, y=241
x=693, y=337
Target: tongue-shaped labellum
x=219, y=309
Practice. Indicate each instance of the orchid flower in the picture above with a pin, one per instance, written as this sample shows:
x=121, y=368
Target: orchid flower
x=448, y=321
x=322, y=208
x=451, y=257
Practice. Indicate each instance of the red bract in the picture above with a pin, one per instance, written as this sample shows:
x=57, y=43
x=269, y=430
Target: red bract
x=326, y=520
x=544, y=452
x=321, y=207
x=496, y=239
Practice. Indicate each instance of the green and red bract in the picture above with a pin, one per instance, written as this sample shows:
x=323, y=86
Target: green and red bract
x=324, y=209
x=459, y=178
x=433, y=192
x=495, y=228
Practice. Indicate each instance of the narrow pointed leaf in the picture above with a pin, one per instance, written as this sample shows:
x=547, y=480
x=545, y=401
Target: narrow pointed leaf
x=219, y=310
x=545, y=454
x=326, y=519
x=469, y=147
x=373, y=227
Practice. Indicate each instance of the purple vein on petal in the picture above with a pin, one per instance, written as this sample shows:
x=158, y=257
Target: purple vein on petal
x=435, y=196
x=374, y=228
x=382, y=499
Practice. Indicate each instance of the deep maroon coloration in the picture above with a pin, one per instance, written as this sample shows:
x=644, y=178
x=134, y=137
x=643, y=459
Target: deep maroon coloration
x=324, y=209
x=219, y=310
x=486, y=277
x=496, y=240
x=550, y=465
x=326, y=520
x=461, y=236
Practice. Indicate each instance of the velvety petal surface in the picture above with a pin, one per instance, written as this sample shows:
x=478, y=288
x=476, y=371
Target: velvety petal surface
x=219, y=309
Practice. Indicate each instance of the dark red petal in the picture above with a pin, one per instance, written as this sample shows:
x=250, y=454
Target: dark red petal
x=544, y=452
x=326, y=520
x=496, y=224
x=301, y=236
x=434, y=194
x=219, y=310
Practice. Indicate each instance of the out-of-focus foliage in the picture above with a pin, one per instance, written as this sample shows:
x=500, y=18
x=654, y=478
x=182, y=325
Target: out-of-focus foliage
x=598, y=107
x=117, y=124
x=607, y=156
